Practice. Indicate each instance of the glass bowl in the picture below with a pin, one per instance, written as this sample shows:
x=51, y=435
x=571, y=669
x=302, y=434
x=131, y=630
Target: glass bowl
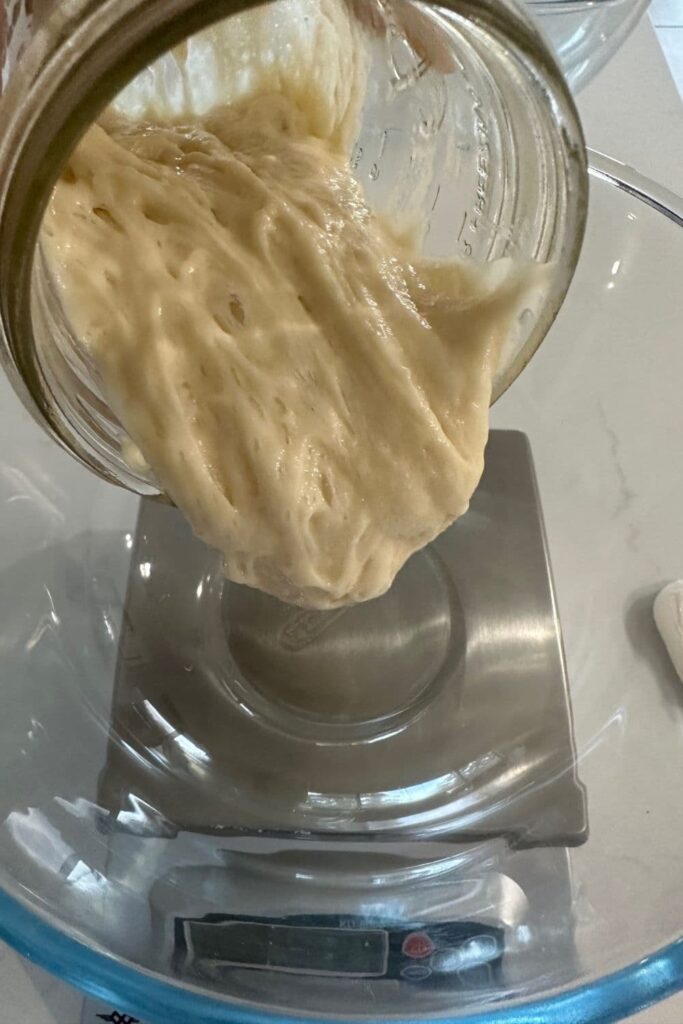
x=586, y=33
x=208, y=814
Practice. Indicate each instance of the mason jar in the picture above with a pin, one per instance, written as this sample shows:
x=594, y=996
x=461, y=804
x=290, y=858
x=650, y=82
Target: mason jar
x=467, y=126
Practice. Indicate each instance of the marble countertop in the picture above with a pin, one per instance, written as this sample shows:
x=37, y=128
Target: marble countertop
x=611, y=107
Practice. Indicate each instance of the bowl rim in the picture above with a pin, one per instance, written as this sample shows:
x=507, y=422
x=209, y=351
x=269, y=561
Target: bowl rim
x=605, y=1000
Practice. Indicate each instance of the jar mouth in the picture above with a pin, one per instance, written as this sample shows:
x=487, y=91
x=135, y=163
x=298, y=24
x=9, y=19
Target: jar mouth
x=83, y=56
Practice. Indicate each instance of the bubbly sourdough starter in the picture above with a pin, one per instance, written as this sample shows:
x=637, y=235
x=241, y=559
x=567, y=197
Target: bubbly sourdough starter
x=310, y=392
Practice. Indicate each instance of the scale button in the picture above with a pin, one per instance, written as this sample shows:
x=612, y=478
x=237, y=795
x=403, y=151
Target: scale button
x=447, y=960
x=416, y=972
x=417, y=945
x=479, y=950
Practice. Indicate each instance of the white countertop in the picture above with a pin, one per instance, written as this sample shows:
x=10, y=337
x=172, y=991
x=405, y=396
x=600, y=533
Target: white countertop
x=633, y=112
x=611, y=108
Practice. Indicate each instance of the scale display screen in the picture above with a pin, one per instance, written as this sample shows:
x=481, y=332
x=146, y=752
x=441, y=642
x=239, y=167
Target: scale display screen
x=464, y=953
x=282, y=947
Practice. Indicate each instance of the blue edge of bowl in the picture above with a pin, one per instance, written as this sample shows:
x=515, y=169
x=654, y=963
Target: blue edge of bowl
x=607, y=1000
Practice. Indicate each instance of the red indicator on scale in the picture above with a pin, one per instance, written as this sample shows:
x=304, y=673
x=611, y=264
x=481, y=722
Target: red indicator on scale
x=417, y=944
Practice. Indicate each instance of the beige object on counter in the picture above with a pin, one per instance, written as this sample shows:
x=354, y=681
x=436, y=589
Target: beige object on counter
x=668, y=615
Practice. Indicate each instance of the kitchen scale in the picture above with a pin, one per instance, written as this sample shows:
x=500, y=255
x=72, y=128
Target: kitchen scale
x=381, y=794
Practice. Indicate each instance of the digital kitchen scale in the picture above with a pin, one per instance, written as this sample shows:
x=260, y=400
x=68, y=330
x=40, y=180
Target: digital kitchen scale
x=337, y=945
x=382, y=793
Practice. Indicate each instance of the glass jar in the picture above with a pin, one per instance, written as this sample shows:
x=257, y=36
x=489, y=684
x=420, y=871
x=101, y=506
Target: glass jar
x=467, y=124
